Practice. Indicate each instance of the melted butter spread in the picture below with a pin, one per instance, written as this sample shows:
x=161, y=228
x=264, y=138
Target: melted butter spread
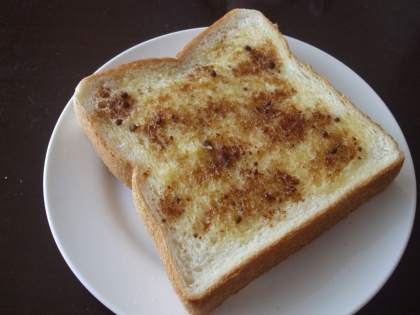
x=229, y=146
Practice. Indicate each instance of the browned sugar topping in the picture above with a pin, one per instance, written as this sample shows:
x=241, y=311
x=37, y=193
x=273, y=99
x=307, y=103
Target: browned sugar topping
x=261, y=60
x=118, y=107
x=233, y=157
x=253, y=189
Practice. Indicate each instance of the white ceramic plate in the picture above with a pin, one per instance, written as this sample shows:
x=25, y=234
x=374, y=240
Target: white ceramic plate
x=94, y=222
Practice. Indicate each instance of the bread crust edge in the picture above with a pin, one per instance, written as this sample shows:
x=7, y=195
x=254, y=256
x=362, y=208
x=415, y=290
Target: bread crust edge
x=268, y=257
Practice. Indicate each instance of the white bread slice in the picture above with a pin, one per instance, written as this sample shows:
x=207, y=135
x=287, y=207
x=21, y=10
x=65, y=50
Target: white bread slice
x=238, y=154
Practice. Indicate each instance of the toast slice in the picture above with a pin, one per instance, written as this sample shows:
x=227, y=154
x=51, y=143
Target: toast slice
x=237, y=154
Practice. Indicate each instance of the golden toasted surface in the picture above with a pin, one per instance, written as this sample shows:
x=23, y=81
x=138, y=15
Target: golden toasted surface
x=232, y=144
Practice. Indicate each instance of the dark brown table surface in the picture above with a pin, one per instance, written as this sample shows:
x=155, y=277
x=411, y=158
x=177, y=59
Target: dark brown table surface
x=47, y=47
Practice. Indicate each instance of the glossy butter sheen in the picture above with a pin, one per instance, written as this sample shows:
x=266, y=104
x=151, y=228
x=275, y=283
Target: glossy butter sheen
x=227, y=154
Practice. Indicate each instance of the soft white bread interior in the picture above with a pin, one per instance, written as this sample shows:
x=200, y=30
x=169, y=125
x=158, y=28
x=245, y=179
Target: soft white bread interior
x=238, y=154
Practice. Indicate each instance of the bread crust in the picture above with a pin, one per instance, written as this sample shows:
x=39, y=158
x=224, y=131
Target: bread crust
x=130, y=174
x=270, y=256
x=118, y=166
x=291, y=243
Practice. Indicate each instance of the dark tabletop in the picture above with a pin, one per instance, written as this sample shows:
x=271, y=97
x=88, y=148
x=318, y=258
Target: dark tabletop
x=47, y=47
